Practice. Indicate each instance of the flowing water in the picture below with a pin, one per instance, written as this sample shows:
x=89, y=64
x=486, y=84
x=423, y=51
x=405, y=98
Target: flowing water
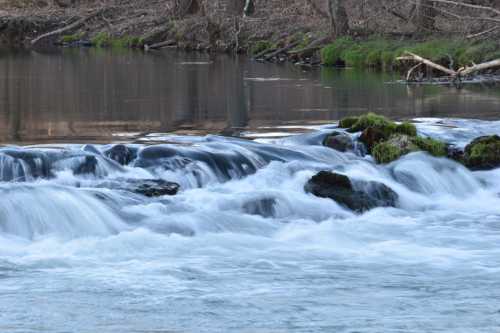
x=241, y=247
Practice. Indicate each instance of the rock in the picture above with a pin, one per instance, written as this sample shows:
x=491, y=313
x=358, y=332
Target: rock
x=88, y=166
x=146, y=187
x=263, y=207
x=401, y=144
x=455, y=153
x=483, y=153
x=371, y=136
x=339, y=141
x=121, y=154
x=359, y=196
x=347, y=122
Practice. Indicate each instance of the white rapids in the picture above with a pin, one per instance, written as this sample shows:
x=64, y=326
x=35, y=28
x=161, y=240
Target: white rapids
x=242, y=247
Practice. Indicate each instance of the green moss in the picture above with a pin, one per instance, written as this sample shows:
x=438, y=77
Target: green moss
x=347, y=122
x=374, y=120
x=406, y=128
x=260, y=46
x=385, y=152
x=67, y=39
x=432, y=146
x=104, y=39
x=483, y=152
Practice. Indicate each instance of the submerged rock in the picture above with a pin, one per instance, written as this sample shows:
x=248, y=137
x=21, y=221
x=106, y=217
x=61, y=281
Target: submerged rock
x=483, y=153
x=146, y=187
x=121, y=154
x=339, y=141
x=264, y=207
x=88, y=166
x=359, y=196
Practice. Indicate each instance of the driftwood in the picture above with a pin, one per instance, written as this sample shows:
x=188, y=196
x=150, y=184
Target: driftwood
x=271, y=55
x=160, y=45
x=313, y=46
x=72, y=26
x=455, y=75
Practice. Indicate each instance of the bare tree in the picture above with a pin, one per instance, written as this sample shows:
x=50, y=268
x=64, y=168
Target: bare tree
x=339, y=18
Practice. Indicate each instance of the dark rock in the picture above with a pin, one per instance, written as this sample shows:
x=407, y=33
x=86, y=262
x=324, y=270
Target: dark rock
x=371, y=136
x=455, y=153
x=263, y=207
x=359, y=196
x=339, y=141
x=121, y=154
x=88, y=166
x=146, y=187
x=483, y=153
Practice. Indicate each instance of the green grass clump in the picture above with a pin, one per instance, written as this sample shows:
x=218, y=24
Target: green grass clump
x=102, y=39
x=347, y=122
x=407, y=129
x=260, y=46
x=333, y=52
x=432, y=146
x=380, y=53
x=386, y=152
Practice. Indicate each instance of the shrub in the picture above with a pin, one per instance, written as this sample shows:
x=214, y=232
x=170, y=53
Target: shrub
x=260, y=46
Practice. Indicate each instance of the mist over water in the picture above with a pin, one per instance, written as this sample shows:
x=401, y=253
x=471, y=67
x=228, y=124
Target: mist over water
x=242, y=247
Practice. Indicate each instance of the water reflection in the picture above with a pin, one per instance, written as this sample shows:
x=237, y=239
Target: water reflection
x=89, y=94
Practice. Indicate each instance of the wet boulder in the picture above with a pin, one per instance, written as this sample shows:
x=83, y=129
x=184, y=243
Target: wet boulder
x=483, y=153
x=147, y=187
x=358, y=196
x=264, y=207
x=88, y=165
x=339, y=141
x=372, y=136
x=121, y=154
x=401, y=144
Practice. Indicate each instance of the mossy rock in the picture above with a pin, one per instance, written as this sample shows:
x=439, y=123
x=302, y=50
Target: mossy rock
x=347, y=122
x=401, y=144
x=483, y=153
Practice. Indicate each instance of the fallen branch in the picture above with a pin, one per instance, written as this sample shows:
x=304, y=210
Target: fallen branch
x=72, y=26
x=313, y=46
x=160, y=45
x=279, y=51
x=462, y=72
x=479, y=67
x=414, y=57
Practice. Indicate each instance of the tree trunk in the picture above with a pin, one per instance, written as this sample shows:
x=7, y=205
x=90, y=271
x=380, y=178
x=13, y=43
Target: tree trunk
x=338, y=17
x=425, y=15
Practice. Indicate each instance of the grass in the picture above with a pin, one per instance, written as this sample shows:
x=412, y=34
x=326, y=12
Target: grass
x=260, y=46
x=381, y=53
x=386, y=152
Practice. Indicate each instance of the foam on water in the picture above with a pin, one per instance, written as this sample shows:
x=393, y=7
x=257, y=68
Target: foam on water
x=243, y=247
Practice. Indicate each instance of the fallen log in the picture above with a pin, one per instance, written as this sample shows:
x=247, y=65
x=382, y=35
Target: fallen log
x=72, y=26
x=273, y=54
x=313, y=46
x=159, y=45
x=414, y=57
x=455, y=75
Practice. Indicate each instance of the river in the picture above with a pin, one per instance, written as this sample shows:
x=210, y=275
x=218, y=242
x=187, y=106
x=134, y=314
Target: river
x=242, y=247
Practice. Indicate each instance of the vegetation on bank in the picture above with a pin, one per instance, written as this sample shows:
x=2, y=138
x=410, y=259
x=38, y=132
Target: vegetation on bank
x=382, y=53
x=104, y=39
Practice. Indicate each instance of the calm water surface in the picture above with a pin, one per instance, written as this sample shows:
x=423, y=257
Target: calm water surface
x=83, y=95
